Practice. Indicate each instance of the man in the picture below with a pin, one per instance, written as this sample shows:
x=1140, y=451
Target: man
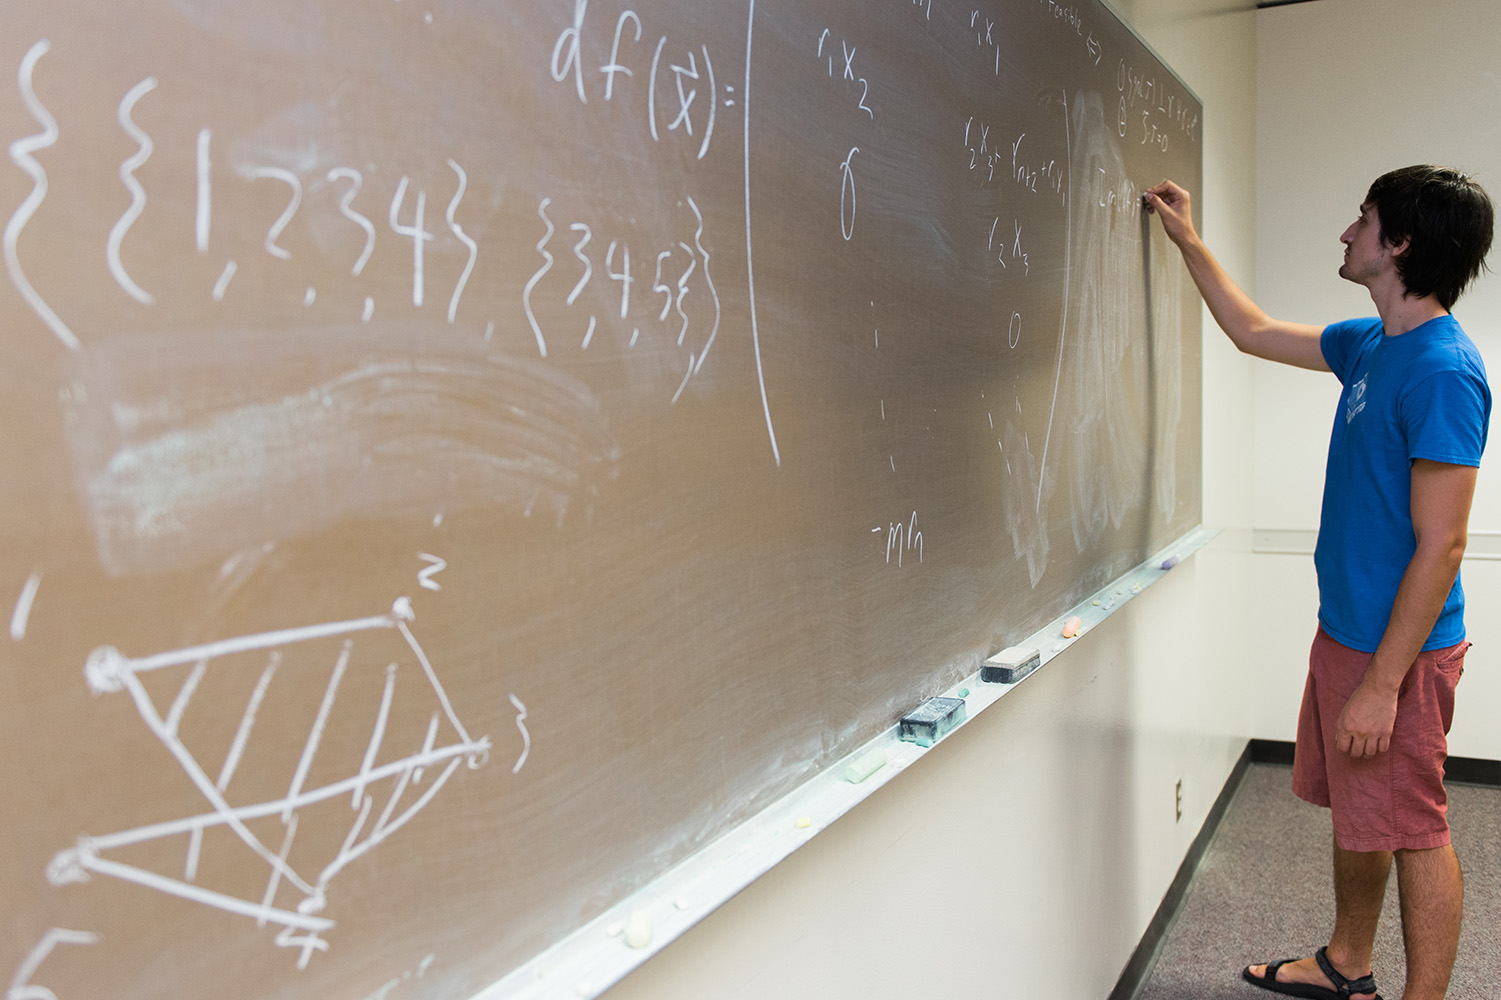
x=1403, y=456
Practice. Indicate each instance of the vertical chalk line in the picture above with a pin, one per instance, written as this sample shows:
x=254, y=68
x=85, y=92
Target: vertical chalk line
x=713, y=104
x=185, y=695
x=315, y=735
x=22, y=614
x=750, y=270
x=366, y=804
x=1068, y=257
x=247, y=722
x=195, y=848
x=223, y=283
x=274, y=881
x=20, y=154
x=427, y=747
x=205, y=195
x=377, y=736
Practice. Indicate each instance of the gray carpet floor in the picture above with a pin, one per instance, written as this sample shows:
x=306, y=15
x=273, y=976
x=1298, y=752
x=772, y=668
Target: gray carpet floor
x=1263, y=892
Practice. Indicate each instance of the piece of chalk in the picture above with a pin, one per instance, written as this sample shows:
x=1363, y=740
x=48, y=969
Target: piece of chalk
x=1169, y=562
x=1071, y=627
x=803, y=822
x=931, y=721
x=1010, y=665
x=864, y=766
x=964, y=692
x=638, y=929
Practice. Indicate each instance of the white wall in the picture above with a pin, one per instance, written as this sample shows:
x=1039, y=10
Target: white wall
x=1025, y=855
x=1346, y=90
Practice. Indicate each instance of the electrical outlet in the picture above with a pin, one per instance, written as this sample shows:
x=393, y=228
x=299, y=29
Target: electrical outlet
x=1178, y=806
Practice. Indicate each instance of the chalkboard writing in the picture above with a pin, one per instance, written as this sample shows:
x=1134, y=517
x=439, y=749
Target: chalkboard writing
x=461, y=458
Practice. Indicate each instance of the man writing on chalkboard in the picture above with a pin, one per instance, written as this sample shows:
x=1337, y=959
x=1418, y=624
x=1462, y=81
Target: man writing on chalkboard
x=1407, y=440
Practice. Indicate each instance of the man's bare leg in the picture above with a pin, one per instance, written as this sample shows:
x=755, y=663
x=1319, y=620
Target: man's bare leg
x=1359, y=890
x=1432, y=892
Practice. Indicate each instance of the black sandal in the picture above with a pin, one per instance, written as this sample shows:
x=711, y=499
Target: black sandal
x=1343, y=988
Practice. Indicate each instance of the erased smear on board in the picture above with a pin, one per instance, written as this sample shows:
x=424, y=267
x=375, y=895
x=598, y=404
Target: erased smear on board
x=177, y=464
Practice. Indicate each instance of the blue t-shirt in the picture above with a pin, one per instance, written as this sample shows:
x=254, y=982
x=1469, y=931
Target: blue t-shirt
x=1422, y=394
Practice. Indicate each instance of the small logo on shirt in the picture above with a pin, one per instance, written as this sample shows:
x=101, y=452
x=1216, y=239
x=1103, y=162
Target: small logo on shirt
x=1356, y=402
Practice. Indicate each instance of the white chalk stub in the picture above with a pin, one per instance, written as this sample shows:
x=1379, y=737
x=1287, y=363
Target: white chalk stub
x=638, y=929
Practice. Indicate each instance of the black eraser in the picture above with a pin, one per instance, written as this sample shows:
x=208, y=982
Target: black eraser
x=1010, y=665
x=931, y=721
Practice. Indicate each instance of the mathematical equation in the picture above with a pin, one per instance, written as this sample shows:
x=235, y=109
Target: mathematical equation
x=825, y=51
x=675, y=272
x=1162, y=110
x=681, y=79
x=343, y=192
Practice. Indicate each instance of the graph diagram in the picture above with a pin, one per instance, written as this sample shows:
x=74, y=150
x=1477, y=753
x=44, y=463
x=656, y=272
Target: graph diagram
x=280, y=823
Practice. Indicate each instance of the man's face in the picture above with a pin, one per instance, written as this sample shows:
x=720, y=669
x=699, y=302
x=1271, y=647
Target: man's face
x=1367, y=258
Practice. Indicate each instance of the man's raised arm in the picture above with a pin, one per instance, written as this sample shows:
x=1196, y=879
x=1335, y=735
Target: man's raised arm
x=1249, y=328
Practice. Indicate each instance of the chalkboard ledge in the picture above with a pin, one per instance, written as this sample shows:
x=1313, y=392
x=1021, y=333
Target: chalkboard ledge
x=603, y=951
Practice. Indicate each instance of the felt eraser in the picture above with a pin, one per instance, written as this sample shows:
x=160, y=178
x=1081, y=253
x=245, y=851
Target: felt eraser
x=931, y=721
x=1010, y=665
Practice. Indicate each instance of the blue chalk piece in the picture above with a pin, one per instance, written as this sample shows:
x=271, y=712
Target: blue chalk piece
x=931, y=721
x=1169, y=562
x=1010, y=665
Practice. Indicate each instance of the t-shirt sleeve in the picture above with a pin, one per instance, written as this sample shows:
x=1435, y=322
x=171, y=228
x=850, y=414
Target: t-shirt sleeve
x=1445, y=418
x=1337, y=342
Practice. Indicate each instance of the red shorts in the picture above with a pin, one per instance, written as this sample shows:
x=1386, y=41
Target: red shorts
x=1394, y=800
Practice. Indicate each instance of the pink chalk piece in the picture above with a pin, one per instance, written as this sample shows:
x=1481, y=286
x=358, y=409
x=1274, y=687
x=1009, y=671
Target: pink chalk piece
x=1071, y=627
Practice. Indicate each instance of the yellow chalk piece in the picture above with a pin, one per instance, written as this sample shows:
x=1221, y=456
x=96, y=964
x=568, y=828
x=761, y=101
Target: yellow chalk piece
x=803, y=822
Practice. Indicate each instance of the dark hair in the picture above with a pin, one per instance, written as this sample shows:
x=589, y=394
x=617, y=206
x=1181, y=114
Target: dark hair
x=1447, y=218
